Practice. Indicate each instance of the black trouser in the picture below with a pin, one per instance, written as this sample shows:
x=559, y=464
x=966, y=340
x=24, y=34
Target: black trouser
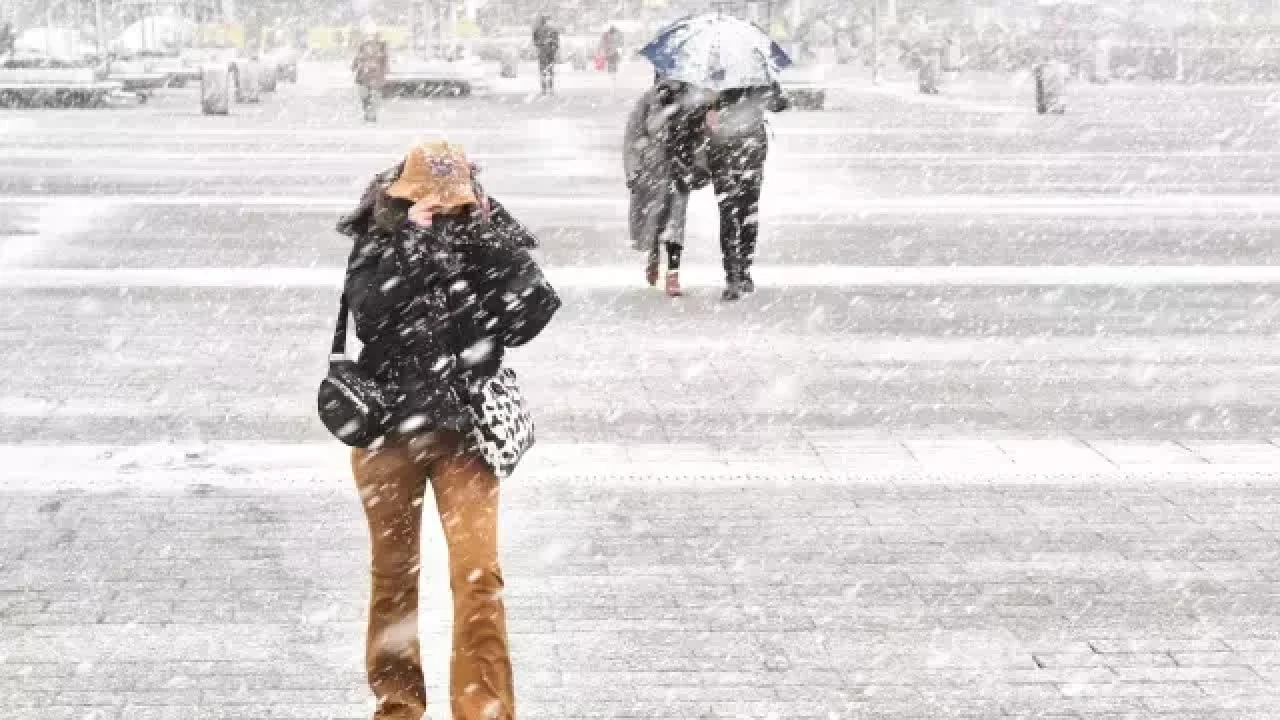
x=674, y=251
x=737, y=173
x=547, y=73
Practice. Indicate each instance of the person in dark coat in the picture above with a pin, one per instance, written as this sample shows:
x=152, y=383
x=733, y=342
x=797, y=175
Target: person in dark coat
x=7, y=39
x=546, y=41
x=739, y=144
x=439, y=282
x=664, y=158
x=370, y=66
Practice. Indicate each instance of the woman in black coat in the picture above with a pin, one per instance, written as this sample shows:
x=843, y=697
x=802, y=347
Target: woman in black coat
x=440, y=282
x=664, y=159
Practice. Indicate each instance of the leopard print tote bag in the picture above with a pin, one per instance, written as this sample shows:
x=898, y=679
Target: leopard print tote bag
x=503, y=430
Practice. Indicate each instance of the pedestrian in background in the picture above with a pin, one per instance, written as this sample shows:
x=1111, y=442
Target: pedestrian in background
x=371, y=65
x=610, y=51
x=665, y=159
x=7, y=39
x=546, y=42
x=739, y=145
x=439, y=282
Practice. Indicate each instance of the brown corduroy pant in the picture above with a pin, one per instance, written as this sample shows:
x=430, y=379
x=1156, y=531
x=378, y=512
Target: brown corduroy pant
x=392, y=481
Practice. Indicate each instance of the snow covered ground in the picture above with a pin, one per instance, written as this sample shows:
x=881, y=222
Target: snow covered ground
x=996, y=438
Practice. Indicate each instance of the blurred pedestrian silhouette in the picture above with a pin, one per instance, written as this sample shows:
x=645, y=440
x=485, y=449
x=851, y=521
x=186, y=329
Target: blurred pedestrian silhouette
x=609, y=54
x=546, y=43
x=371, y=65
x=7, y=39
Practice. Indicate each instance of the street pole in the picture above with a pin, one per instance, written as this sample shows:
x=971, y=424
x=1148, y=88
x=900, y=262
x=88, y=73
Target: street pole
x=413, y=29
x=431, y=37
x=875, y=42
x=451, y=8
x=99, y=30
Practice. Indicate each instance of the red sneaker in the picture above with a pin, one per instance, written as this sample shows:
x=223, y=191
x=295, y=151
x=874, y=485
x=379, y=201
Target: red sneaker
x=673, y=284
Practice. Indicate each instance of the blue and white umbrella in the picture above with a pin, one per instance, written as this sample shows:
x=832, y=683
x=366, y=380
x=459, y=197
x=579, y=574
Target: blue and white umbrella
x=716, y=52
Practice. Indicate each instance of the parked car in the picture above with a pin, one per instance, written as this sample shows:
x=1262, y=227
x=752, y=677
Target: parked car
x=63, y=44
x=285, y=61
x=239, y=67
x=137, y=75
x=415, y=77
x=805, y=85
x=29, y=79
x=180, y=69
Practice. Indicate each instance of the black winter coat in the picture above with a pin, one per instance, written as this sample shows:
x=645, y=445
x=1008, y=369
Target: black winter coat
x=436, y=307
x=685, y=134
x=546, y=39
x=741, y=142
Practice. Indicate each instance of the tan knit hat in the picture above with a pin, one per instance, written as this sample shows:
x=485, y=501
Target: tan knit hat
x=435, y=173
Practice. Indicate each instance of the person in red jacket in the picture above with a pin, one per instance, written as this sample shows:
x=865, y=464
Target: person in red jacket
x=610, y=51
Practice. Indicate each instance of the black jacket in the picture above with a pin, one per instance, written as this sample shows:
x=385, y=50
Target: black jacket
x=436, y=307
x=740, y=144
x=546, y=39
x=685, y=134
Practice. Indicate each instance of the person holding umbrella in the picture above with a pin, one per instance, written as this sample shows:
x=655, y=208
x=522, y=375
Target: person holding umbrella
x=738, y=63
x=739, y=144
x=664, y=159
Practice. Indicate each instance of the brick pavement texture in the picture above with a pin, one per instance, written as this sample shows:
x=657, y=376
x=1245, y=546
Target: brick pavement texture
x=817, y=597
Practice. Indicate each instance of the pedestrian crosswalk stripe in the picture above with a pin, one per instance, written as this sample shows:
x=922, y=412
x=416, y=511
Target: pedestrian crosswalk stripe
x=604, y=277
x=848, y=460
x=839, y=204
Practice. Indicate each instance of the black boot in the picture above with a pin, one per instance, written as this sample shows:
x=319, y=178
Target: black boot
x=732, y=281
x=732, y=285
x=746, y=256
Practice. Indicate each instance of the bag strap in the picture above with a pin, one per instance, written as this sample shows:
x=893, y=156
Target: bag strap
x=339, y=349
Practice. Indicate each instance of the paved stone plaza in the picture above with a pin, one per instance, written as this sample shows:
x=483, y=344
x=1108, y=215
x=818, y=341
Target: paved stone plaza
x=996, y=438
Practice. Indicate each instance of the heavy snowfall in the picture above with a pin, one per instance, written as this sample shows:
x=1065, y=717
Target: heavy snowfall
x=889, y=360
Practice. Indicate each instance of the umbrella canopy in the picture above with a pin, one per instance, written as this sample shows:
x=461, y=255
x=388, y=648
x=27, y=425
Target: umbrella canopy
x=716, y=52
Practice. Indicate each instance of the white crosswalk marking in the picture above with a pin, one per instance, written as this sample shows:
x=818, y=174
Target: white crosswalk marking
x=622, y=276
x=781, y=203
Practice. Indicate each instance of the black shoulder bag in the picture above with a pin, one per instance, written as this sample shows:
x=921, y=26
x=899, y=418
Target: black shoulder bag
x=351, y=405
